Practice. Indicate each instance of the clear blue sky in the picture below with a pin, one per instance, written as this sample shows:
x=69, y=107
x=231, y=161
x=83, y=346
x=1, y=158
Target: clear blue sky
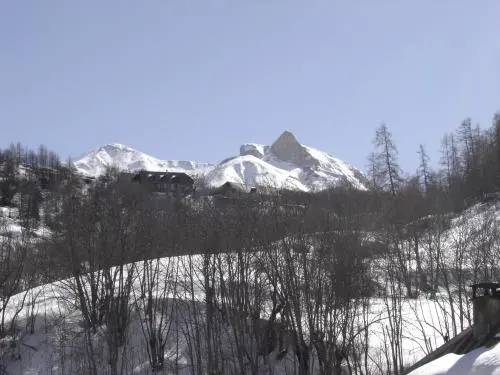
x=182, y=79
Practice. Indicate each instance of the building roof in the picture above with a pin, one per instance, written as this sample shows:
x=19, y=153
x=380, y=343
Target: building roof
x=164, y=176
x=242, y=188
x=460, y=344
x=467, y=340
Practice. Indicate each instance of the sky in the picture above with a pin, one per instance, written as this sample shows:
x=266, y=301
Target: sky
x=193, y=80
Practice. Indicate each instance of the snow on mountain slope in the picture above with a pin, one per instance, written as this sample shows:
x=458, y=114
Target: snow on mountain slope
x=254, y=149
x=125, y=158
x=284, y=164
x=319, y=170
x=249, y=170
x=311, y=167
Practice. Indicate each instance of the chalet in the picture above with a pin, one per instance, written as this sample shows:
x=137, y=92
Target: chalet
x=176, y=184
x=235, y=195
x=484, y=330
x=233, y=190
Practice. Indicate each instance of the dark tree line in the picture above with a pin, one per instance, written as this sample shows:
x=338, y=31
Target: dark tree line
x=30, y=182
x=283, y=276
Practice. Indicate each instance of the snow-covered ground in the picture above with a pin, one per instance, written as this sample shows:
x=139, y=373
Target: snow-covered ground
x=482, y=361
x=9, y=224
x=57, y=344
x=58, y=335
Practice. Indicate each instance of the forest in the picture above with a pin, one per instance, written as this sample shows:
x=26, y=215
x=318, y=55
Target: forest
x=286, y=281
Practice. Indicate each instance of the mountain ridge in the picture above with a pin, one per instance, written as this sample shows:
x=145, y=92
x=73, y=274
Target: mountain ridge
x=286, y=163
x=95, y=162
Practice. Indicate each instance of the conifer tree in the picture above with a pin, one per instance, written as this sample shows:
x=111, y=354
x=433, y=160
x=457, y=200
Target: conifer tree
x=386, y=169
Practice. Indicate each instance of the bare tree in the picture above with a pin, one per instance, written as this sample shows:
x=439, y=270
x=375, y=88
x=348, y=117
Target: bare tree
x=393, y=329
x=13, y=253
x=385, y=161
x=424, y=168
x=158, y=282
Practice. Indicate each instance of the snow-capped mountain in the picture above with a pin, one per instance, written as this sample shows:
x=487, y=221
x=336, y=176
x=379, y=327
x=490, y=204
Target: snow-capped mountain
x=250, y=170
x=284, y=164
x=126, y=158
x=313, y=168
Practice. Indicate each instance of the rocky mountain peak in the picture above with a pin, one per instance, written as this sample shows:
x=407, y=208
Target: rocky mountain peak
x=253, y=149
x=287, y=163
x=116, y=147
x=286, y=136
x=288, y=149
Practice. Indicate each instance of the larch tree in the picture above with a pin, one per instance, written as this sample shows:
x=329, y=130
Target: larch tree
x=451, y=168
x=496, y=121
x=385, y=166
x=424, y=169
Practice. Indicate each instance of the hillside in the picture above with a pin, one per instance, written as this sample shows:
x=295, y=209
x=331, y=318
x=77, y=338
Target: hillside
x=51, y=337
x=369, y=279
